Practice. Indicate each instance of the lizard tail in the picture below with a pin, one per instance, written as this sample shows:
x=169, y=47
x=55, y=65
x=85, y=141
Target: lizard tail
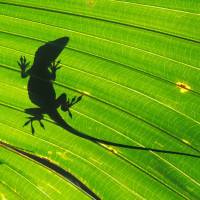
x=61, y=122
x=57, y=118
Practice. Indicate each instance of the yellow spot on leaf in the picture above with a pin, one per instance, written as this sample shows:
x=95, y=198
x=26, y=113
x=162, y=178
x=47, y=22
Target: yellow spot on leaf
x=186, y=142
x=90, y=3
x=183, y=87
x=86, y=93
x=109, y=148
x=62, y=154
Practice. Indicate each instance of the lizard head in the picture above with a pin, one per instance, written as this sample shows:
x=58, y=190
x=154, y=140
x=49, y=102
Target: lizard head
x=49, y=52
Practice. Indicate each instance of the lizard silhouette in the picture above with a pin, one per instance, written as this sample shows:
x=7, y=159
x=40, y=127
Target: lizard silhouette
x=40, y=86
x=42, y=93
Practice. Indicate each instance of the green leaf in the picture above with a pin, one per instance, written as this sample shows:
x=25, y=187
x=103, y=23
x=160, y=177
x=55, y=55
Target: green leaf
x=133, y=67
x=32, y=180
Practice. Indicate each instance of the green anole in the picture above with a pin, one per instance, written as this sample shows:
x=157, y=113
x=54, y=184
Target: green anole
x=41, y=92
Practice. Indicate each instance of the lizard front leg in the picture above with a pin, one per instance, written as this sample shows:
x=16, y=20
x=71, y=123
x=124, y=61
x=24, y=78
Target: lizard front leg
x=54, y=67
x=23, y=65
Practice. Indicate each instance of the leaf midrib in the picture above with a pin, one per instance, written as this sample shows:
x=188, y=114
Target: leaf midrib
x=23, y=153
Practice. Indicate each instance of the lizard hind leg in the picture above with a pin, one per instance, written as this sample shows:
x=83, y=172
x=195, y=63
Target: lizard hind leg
x=65, y=103
x=36, y=115
x=61, y=100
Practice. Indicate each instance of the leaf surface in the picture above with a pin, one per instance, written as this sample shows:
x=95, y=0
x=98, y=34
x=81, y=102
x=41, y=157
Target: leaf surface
x=137, y=126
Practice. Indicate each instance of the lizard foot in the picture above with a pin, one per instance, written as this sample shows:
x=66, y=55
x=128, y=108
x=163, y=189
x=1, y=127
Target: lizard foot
x=35, y=118
x=69, y=103
x=23, y=63
x=55, y=66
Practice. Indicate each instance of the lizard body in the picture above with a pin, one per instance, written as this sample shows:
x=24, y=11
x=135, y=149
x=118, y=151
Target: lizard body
x=40, y=85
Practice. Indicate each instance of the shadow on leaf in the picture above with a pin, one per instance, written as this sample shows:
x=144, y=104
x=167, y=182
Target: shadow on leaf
x=42, y=94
